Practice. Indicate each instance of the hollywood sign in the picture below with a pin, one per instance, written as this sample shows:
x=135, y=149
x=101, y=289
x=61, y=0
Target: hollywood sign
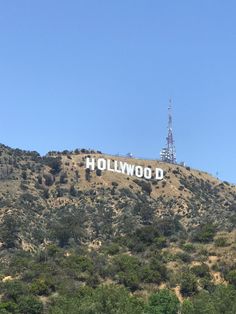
x=124, y=168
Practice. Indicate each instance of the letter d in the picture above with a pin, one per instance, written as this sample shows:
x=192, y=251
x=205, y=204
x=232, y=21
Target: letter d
x=159, y=174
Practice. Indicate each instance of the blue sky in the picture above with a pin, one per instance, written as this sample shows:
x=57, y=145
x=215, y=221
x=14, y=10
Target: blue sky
x=98, y=74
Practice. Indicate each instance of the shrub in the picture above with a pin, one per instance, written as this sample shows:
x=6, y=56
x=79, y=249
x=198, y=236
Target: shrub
x=157, y=265
x=54, y=163
x=98, y=172
x=24, y=175
x=9, y=231
x=201, y=270
x=189, y=247
x=163, y=302
x=206, y=284
x=30, y=305
x=221, y=300
x=147, y=234
x=87, y=174
x=160, y=242
x=146, y=186
x=46, y=193
x=63, y=236
x=112, y=249
x=205, y=233
x=187, y=307
x=73, y=191
x=40, y=287
x=231, y=277
x=63, y=178
x=220, y=242
x=13, y=290
x=168, y=226
x=59, y=192
x=184, y=257
x=48, y=179
x=40, y=179
x=188, y=283
x=127, y=269
x=150, y=276
x=106, y=299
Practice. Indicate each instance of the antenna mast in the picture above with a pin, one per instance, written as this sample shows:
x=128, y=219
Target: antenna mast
x=168, y=154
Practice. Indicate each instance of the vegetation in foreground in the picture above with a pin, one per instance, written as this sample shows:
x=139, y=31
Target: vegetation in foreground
x=135, y=274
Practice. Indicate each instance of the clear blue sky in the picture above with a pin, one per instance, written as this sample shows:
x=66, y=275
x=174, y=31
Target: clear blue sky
x=98, y=74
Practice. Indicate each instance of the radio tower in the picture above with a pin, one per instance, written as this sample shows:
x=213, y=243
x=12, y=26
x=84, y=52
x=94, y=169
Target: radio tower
x=168, y=154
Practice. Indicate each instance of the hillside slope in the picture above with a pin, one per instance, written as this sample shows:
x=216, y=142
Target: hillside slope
x=64, y=228
x=38, y=191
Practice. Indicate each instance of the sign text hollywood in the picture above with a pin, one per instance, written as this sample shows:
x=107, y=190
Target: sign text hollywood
x=124, y=168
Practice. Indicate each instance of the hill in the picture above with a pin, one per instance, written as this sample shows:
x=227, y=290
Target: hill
x=65, y=228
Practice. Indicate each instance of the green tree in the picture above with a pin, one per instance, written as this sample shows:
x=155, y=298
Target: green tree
x=201, y=271
x=9, y=231
x=187, y=307
x=73, y=191
x=13, y=290
x=224, y=299
x=188, y=283
x=8, y=307
x=54, y=163
x=40, y=286
x=163, y=302
x=30, y=305
x=127, y=270
x=221, y=301
x=103, y=300
x=231, y=277
x=204, y=304
x=205, y=233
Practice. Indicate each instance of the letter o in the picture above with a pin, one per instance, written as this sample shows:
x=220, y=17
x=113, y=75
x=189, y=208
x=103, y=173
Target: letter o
x=147, y=173
x=139, y=171
x=101, y=164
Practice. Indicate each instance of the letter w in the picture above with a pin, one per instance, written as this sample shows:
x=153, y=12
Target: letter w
x=130, y=169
